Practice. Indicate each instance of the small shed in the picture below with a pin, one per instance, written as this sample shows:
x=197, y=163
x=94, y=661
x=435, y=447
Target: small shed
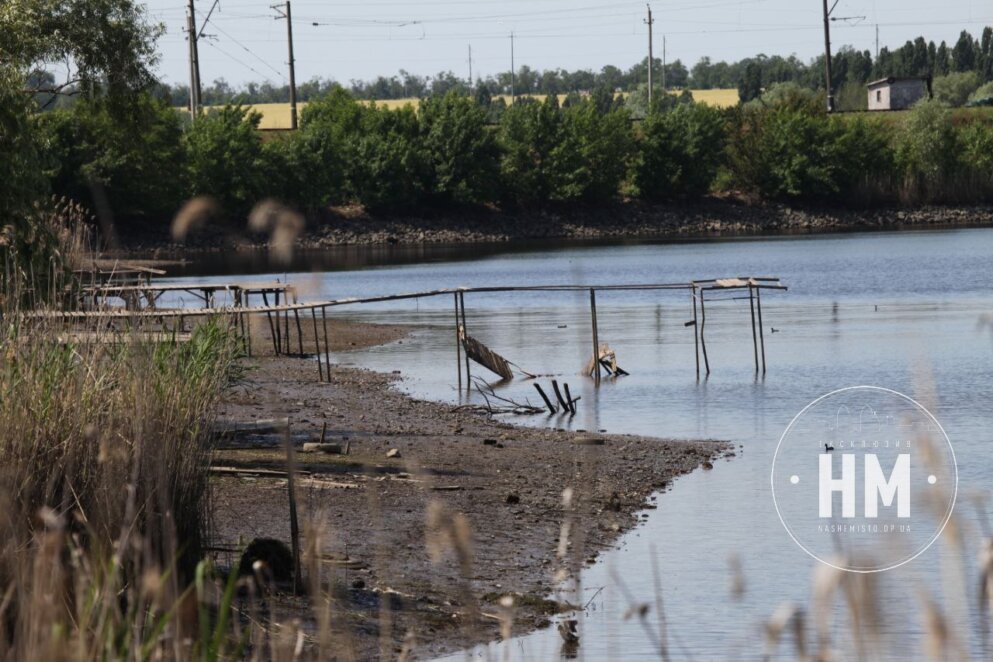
x=897, y=93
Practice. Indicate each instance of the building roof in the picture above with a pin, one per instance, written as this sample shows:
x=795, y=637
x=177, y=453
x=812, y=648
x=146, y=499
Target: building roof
x=897, y=79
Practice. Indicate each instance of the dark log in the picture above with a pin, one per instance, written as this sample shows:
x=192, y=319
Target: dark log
x=548, y=403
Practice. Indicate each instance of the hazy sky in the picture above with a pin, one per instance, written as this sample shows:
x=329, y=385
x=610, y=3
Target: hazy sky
x=360, y=39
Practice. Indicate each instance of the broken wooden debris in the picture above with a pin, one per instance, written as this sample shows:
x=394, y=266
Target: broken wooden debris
x=509, y=406
x=607, y=359
x=568, y=403
x=548, y=403
x=485, y=357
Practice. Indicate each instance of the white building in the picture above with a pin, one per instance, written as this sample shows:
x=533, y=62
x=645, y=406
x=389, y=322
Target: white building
x=897, y=93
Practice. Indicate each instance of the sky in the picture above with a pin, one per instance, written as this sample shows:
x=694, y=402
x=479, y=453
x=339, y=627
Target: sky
x=361, y=39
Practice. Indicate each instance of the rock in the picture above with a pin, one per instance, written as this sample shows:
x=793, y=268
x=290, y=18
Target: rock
x=274, y=559
x=707, y=465
x=489, y=442
x=393, y=452
x=513, y=499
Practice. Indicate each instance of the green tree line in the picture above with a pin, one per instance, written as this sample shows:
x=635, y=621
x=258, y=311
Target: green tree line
x=147, y=160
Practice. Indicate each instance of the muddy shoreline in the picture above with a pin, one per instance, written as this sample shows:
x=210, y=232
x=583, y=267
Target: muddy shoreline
x=412, y=471
x=622, y=220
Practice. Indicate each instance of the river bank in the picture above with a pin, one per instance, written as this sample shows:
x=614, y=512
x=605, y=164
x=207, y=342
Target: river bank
x=630, y=219
x=412, y=470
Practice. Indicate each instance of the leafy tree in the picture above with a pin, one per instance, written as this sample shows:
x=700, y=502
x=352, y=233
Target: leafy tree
x=927, y=149
x=595, y=153
x=108, y=43
x=225, y=158
x=964, y=53
x=388, y=167
x=955, y=88
x=750, y=85
x=298, y=172
x=977, y=146
x=128, y=155
x=531, y=136
x=680, y=152
x=461, y=151
x=22, y=180
x=785, y=152
x=328, y=127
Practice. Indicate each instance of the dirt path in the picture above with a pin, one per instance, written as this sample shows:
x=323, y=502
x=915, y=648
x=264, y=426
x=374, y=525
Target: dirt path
x=370, y=509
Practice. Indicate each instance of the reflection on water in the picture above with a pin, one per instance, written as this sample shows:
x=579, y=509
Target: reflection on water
x=894, y=310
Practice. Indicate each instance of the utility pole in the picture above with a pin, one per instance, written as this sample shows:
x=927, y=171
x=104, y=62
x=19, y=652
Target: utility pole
x=827, y=56
x=293, y=78
x=196, y=93
x=877, y=41
x=513, y=75
x=193, y=76
x=663, y=65
x=470, y=67
x=651, y=62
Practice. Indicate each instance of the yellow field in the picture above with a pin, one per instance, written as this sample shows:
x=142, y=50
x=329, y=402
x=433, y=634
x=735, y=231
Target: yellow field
x=276, y=116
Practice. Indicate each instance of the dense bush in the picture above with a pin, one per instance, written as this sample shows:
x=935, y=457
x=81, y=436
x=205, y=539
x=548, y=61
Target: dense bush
x=782, y=145
x=225, y=159
x=388, y=169
x=955, y=88
x=461, y=151
x=123, y=157
x=535, y=152
x=601, y=145
x=680, y=152
x=927, y=152
x=784, y=152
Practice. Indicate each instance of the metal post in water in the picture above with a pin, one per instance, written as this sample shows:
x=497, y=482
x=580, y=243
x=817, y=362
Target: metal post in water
x=465, y=331
x=458, y=341
x=596, y=335
x=696, y=331
x=703, y=340
x=758, y=302
x=755, y=343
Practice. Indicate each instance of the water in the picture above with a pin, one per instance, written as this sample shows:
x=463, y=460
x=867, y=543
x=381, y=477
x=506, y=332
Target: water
x=895, y=310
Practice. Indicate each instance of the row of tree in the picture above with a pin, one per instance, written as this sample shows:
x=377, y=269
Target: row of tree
x=915, y=58
x=145, y=162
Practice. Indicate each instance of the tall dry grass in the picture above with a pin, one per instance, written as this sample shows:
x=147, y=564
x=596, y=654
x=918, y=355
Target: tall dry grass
x=104, y=459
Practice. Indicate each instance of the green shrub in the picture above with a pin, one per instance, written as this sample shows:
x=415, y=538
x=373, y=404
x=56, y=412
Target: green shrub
x=927, y=152
x=461, y=151
x=127, y=155
x=534, y=152
x=976, y=140
x=680, y=152
x=955, y=88
x=298, y=173
x=784, y=152
x=389, y=166
x=225, y=159
x=328, y=127
x=865, y=157
x=595, y=154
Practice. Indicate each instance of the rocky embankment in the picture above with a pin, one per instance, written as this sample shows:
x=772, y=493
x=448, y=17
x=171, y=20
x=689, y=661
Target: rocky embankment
x=713, y=217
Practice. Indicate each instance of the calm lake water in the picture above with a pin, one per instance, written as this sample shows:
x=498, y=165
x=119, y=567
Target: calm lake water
x=898, y=310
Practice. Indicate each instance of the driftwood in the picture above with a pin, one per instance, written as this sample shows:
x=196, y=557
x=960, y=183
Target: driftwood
x=485, y=357
x=509, y=406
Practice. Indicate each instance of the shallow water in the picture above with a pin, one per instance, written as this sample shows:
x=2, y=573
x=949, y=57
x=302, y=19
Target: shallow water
x=899, y=310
